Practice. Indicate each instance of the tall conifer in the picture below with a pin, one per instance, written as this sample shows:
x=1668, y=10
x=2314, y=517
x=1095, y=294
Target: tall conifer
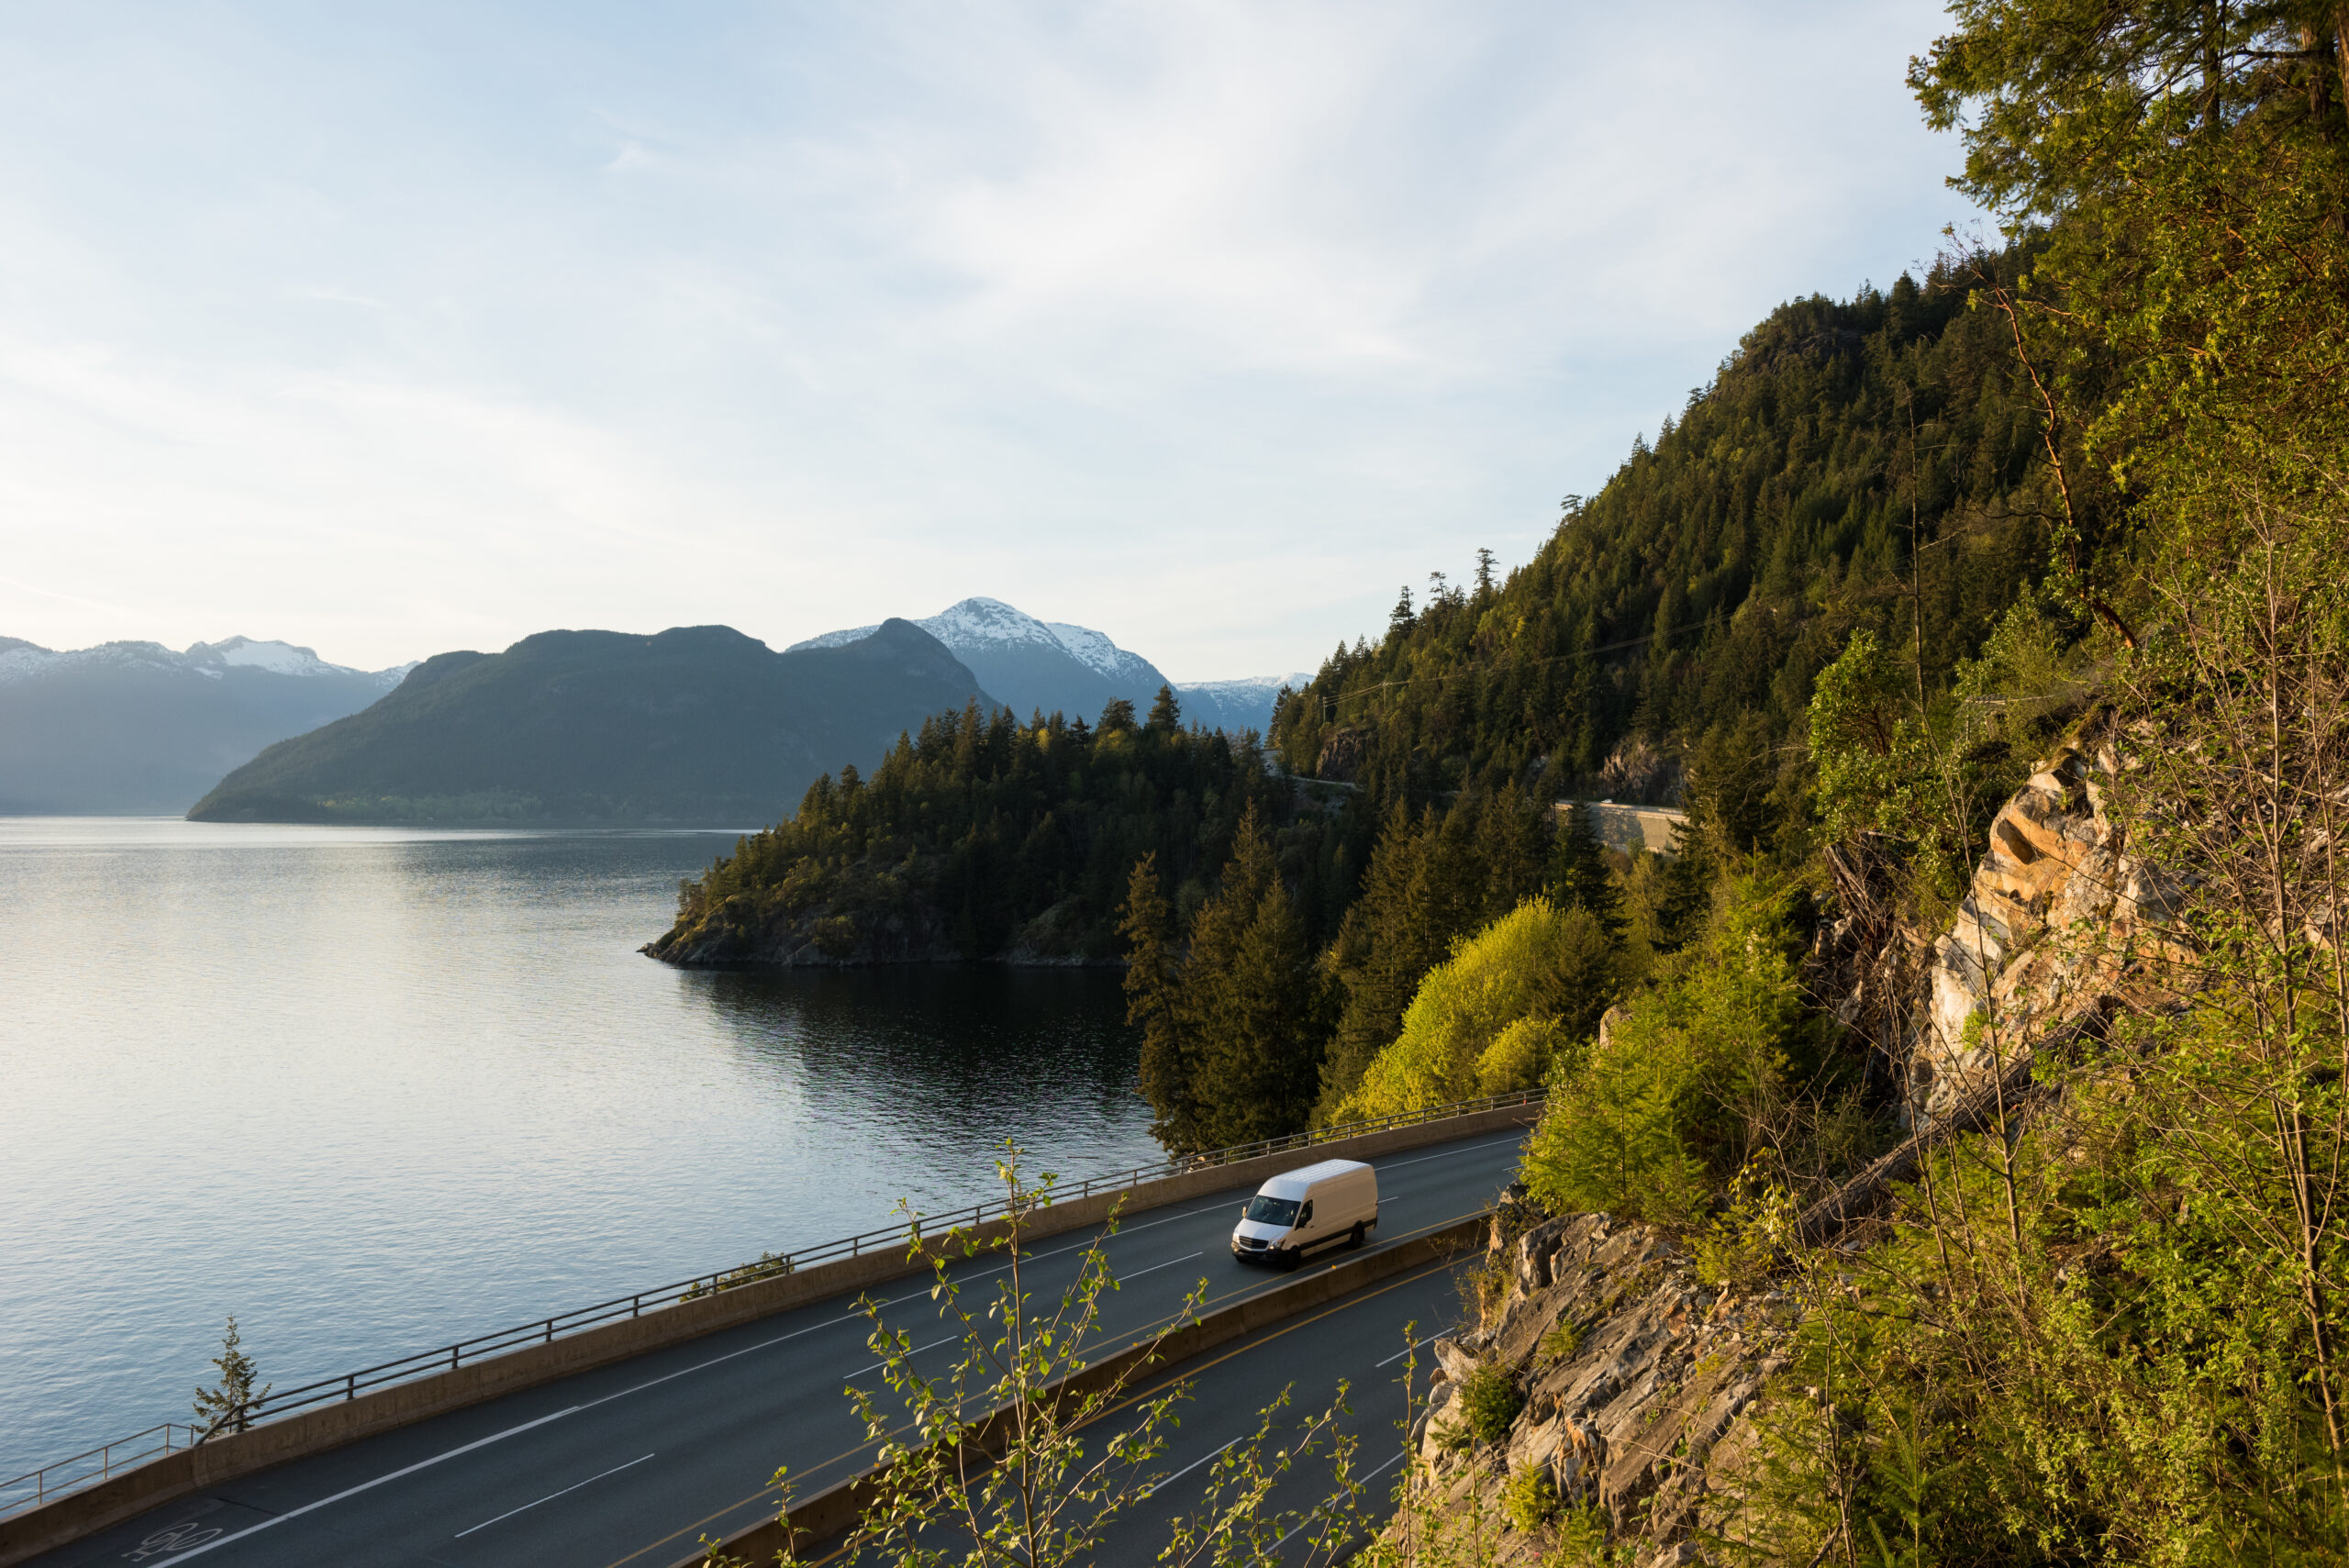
x=1155, y=1001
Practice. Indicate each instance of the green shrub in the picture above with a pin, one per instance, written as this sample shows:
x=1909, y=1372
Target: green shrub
x=1511, y=1003
x=1488, y=1403
x=1581, y=1539
x=1530, y=1498
x=1646, y=1129
x=1560, y=1342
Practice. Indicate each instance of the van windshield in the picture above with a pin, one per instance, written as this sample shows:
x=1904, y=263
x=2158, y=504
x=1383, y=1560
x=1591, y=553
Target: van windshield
x=1272, y=1210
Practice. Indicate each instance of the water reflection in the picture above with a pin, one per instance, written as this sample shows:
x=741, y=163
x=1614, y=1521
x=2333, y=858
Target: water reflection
x=941, y=1064
x=370, y=1089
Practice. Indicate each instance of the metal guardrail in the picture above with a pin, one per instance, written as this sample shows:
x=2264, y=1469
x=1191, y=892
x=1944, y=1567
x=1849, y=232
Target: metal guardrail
x=52, y=1480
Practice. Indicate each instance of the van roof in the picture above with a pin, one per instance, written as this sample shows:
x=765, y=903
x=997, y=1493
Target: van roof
x=1293, y=1184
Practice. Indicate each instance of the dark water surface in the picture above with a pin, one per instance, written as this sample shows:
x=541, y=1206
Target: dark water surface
x=372, y=1090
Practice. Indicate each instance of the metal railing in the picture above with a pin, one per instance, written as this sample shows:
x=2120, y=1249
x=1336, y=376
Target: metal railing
x=52, y=1481
x=88, y=1469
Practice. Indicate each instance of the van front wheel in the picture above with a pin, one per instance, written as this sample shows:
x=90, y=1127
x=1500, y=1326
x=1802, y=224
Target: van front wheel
x=1356, y=1242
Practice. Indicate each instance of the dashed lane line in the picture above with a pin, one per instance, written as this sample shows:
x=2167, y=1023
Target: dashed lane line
x=371, y=1485
x=550, y=1496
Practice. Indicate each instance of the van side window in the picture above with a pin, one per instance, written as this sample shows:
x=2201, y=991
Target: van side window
x=1305, y=1217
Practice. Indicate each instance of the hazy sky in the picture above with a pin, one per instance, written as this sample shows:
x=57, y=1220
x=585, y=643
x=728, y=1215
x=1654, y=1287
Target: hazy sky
x=391, y=329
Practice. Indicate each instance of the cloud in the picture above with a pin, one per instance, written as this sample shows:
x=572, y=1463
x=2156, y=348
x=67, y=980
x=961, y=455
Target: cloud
x=1204, y=323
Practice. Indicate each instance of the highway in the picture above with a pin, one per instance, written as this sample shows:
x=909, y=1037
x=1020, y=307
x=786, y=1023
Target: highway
x=634, y=1463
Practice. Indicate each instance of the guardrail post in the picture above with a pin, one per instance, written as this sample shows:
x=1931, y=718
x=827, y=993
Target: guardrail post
x=351, y=1388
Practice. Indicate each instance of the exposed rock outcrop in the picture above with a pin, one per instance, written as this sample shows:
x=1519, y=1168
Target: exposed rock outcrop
x=1631, y=1372
x=2059, y=915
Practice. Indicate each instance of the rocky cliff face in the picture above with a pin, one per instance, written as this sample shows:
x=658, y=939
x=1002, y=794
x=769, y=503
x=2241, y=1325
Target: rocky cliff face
x=1632, y=1373
x=2059, y=915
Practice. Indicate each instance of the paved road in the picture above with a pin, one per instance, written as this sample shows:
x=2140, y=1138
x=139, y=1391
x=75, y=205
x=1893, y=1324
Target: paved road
x=631, y=1464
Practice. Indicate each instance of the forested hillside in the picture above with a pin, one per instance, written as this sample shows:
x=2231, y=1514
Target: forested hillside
x=1877, y=462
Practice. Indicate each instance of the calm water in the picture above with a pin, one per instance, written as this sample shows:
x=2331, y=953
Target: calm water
x=372, y=1090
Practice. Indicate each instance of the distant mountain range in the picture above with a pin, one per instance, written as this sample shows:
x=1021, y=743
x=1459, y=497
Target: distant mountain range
x=1032, y=666
x=698, y=725
x=133, y=728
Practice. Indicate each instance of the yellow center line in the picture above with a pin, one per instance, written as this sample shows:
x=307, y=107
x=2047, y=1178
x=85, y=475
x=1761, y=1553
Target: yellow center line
x=767, y=1492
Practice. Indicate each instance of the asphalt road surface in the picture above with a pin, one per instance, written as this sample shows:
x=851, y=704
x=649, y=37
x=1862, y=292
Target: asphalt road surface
x=635, y=1463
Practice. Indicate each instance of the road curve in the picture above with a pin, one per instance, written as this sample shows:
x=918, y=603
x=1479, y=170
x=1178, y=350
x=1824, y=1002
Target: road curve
x=630, y=1466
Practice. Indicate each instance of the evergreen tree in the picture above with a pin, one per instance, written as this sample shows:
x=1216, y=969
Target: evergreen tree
x=1250, y=986
x=1513, y=834
x=1578, y=872
x=227, y=1404
x=1166, y=712
x=1155, y=1002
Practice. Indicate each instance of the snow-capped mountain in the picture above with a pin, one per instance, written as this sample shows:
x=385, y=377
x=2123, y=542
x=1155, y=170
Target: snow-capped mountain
x=136, y=728
x=1032, y=665
x=1235, y=705
x=1028, y=665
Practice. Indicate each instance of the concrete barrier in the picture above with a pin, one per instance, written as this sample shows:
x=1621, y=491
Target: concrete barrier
x=1628, y=827
x=820, y=1520
x=324, y=1426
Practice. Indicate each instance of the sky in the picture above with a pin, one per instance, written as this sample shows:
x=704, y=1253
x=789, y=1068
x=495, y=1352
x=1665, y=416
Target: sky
x=391, y=329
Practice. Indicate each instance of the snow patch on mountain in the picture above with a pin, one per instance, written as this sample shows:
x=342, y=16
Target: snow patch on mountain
x=982, y=623
x=979, y=624
x=1100, y=654
x=843, y=638
x=1235, y=705
x=22, y=661
x=1253, y=686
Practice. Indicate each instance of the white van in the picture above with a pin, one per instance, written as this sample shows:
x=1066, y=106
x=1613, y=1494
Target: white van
x=1291, y=1214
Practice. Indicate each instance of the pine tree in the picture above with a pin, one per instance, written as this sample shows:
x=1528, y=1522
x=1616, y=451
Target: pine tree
x=229, y=1403
x=1578, y=873
x=1166, y=712
x=1155, y=1001
x=1513, y=848
x=1248, y=988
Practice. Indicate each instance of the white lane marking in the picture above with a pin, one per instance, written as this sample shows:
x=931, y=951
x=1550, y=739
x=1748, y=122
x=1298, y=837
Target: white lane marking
x=917, y=1349
x=731, y=1355
x=1407, y=1350
x=1310, y=1518
x=550, y=1498
x=949, y=1339
x=370, y=1486
x=1162, y=1486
